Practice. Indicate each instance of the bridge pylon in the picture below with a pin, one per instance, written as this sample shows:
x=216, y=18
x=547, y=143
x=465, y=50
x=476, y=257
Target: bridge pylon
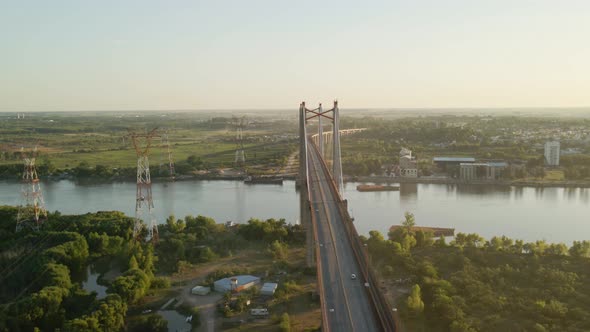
x=333, y=115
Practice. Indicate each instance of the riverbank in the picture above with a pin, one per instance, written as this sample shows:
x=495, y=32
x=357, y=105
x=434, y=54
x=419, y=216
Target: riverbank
x=292, y=176
x=445, y=180
x=183, y=177
x=436, y=231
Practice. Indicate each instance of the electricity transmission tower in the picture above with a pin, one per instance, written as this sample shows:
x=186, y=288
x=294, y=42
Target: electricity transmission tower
x=144, y=203
x=239, y=124
x=31, y=211
x=168, y=151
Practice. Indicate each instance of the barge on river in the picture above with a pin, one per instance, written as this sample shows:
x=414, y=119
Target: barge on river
x=376, y=187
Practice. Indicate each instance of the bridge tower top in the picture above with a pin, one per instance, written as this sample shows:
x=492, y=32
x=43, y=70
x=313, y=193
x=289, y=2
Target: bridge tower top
x=333, y=117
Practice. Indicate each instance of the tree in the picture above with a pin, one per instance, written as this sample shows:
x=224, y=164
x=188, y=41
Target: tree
x=72, y=252
x=285, y=324
x=150, y=323
x=424, y=239
x=279, y=250
x=494, y=243
x=440, y=242
x=133, y=263
x=174, y=225
x=171, y=223
x=408, y=222
x=111, y=313
x=408, y=242
x=98, y=244
x=414, y=301
x=85, y=324
x=557, y=249
x=131, y=286
x=580, y=249
x=57, y=275
x=427, y=270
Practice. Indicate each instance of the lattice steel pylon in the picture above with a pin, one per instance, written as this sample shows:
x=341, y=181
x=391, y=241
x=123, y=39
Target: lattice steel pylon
x=32, y=211
x=166, y=143
x=239, y=124
x=143, y=198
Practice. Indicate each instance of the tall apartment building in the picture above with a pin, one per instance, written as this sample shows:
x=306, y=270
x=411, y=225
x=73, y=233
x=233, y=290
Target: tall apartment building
x=552, y=153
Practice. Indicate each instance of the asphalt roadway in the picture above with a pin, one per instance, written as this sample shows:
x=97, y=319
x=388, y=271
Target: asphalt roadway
x=346, y=302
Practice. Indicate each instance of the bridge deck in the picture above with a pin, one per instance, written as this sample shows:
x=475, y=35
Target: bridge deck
x=346, y=301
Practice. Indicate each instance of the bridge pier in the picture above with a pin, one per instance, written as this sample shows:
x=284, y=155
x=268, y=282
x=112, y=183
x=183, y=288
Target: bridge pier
x=305, y=220
x=336, y=159
x=302, y=146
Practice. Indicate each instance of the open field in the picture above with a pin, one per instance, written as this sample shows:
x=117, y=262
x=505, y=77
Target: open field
x=65, y=141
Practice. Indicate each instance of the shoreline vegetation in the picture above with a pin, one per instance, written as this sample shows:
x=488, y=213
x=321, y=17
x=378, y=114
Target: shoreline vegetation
x=347, y=179
x=469, y=284
x=447, y=180
x=40, y=292
x=472, y=284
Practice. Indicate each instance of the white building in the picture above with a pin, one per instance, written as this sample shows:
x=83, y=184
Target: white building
x=405, y=152
x=552, y=153
x=200, y=290
x=407, y=164
x=268, y=288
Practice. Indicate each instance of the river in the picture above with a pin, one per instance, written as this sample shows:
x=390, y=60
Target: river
x=553, y=214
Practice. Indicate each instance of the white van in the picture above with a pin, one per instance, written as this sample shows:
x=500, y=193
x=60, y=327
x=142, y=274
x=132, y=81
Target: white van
x=259, y=312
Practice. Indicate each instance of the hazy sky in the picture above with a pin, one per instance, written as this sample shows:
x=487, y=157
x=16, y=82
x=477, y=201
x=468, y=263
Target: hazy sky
x=114, y=55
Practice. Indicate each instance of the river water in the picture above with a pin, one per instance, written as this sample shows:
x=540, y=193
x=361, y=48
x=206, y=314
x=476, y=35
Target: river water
x=553, y=214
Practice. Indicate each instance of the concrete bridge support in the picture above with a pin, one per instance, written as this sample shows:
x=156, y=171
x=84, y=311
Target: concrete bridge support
x=336, y=158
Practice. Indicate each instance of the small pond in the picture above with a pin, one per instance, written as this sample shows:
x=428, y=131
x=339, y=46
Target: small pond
x=88, y=277
x=176, y=321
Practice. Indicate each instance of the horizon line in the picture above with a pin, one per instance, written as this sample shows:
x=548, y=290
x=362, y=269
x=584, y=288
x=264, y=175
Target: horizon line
x=296, y=107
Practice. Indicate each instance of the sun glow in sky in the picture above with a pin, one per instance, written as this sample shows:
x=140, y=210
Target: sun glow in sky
x=171, y=55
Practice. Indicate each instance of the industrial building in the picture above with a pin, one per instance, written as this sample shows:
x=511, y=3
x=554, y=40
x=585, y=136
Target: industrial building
x=235, y=284
x=552, y=153
x=446, y=163
x=481, y=171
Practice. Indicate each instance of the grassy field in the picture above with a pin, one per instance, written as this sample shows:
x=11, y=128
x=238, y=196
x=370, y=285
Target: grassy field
x=66, y=140
x=554, y=175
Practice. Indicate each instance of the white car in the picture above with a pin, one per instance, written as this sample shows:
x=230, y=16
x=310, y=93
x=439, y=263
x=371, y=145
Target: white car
x=353, y=276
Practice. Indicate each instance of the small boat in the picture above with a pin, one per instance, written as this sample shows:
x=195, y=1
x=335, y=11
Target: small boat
x=369, y=187
x=189, y=319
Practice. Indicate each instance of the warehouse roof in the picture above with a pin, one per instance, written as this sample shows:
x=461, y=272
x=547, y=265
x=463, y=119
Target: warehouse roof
x=454, y=159
x=242, y=280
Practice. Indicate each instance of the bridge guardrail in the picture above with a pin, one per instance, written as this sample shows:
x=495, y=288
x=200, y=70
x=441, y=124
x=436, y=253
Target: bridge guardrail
x=325, y=325
x=380, y=305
